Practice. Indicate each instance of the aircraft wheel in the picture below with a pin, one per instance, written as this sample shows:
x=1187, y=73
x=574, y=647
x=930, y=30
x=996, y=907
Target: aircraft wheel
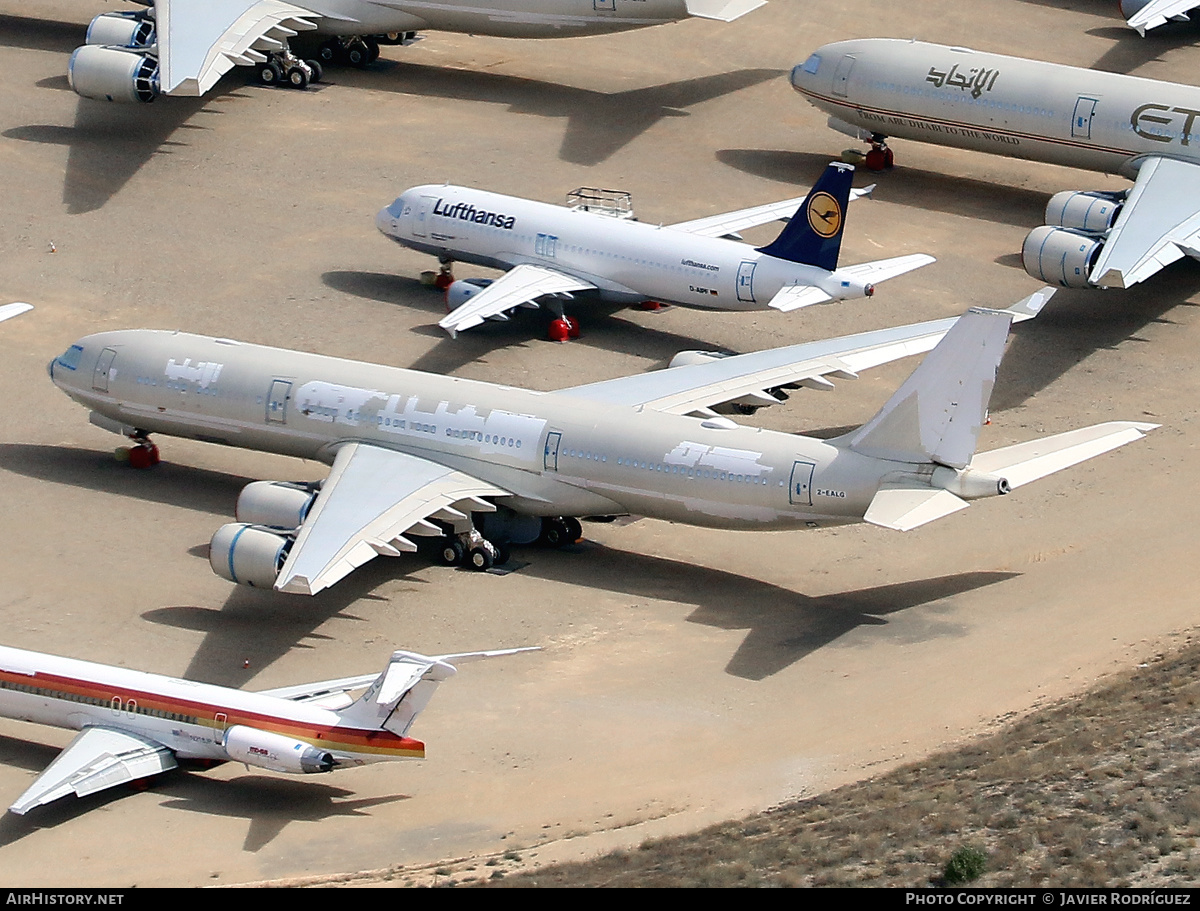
x=143, y=456
x=572, y=326
x=318, y=71
x=889, y=158
x=451, y=553
x=503, y=554
x=574, y=529
x=270, y=73
x=297, y=78
x=554, y=533
x=356, y=55
x=481, y=558
x=560, y=330
x=372, y=47
x=876, y=160
x=443, y=281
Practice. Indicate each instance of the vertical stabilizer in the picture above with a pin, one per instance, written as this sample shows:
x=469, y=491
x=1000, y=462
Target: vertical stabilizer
x=813, y=236
x=935, y=416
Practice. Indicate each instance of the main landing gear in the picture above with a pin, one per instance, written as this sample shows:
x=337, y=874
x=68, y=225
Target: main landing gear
x=142, y=455
x=474, y=551
x=353, y=51
x=285, y=68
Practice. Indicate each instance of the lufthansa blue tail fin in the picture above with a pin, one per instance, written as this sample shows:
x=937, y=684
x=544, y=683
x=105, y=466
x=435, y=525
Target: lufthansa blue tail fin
x=813, y=236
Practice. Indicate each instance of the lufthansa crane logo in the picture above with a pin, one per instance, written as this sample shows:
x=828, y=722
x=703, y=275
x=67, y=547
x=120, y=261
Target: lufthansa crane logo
x=824, y=215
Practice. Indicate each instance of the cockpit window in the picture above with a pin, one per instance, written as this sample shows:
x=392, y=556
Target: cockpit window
x=69, y=359
x=812, y=64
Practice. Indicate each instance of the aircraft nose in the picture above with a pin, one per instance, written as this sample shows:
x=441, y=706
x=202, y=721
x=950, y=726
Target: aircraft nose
x=384, y=221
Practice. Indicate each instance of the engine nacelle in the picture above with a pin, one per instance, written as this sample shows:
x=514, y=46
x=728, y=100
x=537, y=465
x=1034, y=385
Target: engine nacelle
x=275, y=752
x=968, y=483
x=463, y=290
x=248, y=554
x=113, y=74
x=1061, y=256
x=121, y=30
x=1091, y=212
x=843, y=287
x=1130, y=8
x=278, y=504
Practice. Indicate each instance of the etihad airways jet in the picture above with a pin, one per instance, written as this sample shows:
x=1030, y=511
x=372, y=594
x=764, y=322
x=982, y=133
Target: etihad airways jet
x=472, y=466
x=552, y=251
x=1145, y=130
x=182, y=47
x=133, y=725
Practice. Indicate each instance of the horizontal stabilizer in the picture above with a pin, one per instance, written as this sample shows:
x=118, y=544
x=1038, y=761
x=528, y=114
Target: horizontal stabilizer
x=1027, y=462
x=722, y=10
x=883, y=269
x=904, y=508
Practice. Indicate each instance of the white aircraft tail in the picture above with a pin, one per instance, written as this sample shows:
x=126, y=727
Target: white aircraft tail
x=401, y=692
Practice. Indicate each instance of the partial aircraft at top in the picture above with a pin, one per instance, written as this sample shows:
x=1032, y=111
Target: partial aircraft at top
x=1148, y=14
x=473, y=467
x=182, y=47
x=1145, y=130
x=551, y=252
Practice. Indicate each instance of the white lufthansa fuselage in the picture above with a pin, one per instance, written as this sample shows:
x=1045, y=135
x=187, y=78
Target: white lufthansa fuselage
x=189, y=718
x=628, y=261
x=557, y=454
x=1003, y=105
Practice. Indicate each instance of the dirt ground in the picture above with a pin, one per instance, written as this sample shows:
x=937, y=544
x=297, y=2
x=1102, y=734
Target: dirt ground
x=687, y=676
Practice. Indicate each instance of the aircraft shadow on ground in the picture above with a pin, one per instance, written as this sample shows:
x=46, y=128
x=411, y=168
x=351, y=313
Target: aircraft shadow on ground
x=168, y=483
x=599, y=124
x=1130, y=51
x=782, y=626
x=268, y=803
x=1077, y=323
x=904, y=186
x=603, y=325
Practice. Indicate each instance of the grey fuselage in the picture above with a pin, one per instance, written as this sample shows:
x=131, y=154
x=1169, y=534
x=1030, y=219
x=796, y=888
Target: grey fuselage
x=526, y=19
x=557, y=454
x=1003, y=105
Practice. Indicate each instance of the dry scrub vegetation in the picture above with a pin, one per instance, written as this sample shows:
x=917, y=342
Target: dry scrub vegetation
x=1101, y=791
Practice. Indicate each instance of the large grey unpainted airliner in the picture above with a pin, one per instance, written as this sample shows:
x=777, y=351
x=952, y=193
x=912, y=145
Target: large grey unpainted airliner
x=1145, y=130
x=182, y=47
x=551, y=252
x=474, y=466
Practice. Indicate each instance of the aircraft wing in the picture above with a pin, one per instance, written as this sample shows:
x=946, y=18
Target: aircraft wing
x=1159, y=223
x=199, y=41
x=8, y=311
x=522, y=284
x=96, y=759
x=1158, y=12
x=722, y=10
x=729, y=224
x=372, y=497
x=697, y=387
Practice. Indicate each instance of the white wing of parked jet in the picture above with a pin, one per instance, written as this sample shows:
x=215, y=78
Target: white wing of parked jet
x=1159, y=12
x=1158, y=224
x=371, y=498
x=8, y=311
x=728, y=224
x=96, y=759
x=691, y=388
x=722, y=10
x=522, y=284
x=199, y=41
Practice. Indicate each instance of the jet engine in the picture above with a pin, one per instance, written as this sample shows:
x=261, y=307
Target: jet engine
x=121, y=30
x=1094, y=213
x=275, y=752
x=113, y=74
x=459, y=292
x=1130, y=8
x=1061, y=256
x=277, y=504
x=248, y=554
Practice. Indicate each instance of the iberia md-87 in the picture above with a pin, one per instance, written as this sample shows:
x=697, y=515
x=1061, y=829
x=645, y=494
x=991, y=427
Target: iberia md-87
x=876, y=88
